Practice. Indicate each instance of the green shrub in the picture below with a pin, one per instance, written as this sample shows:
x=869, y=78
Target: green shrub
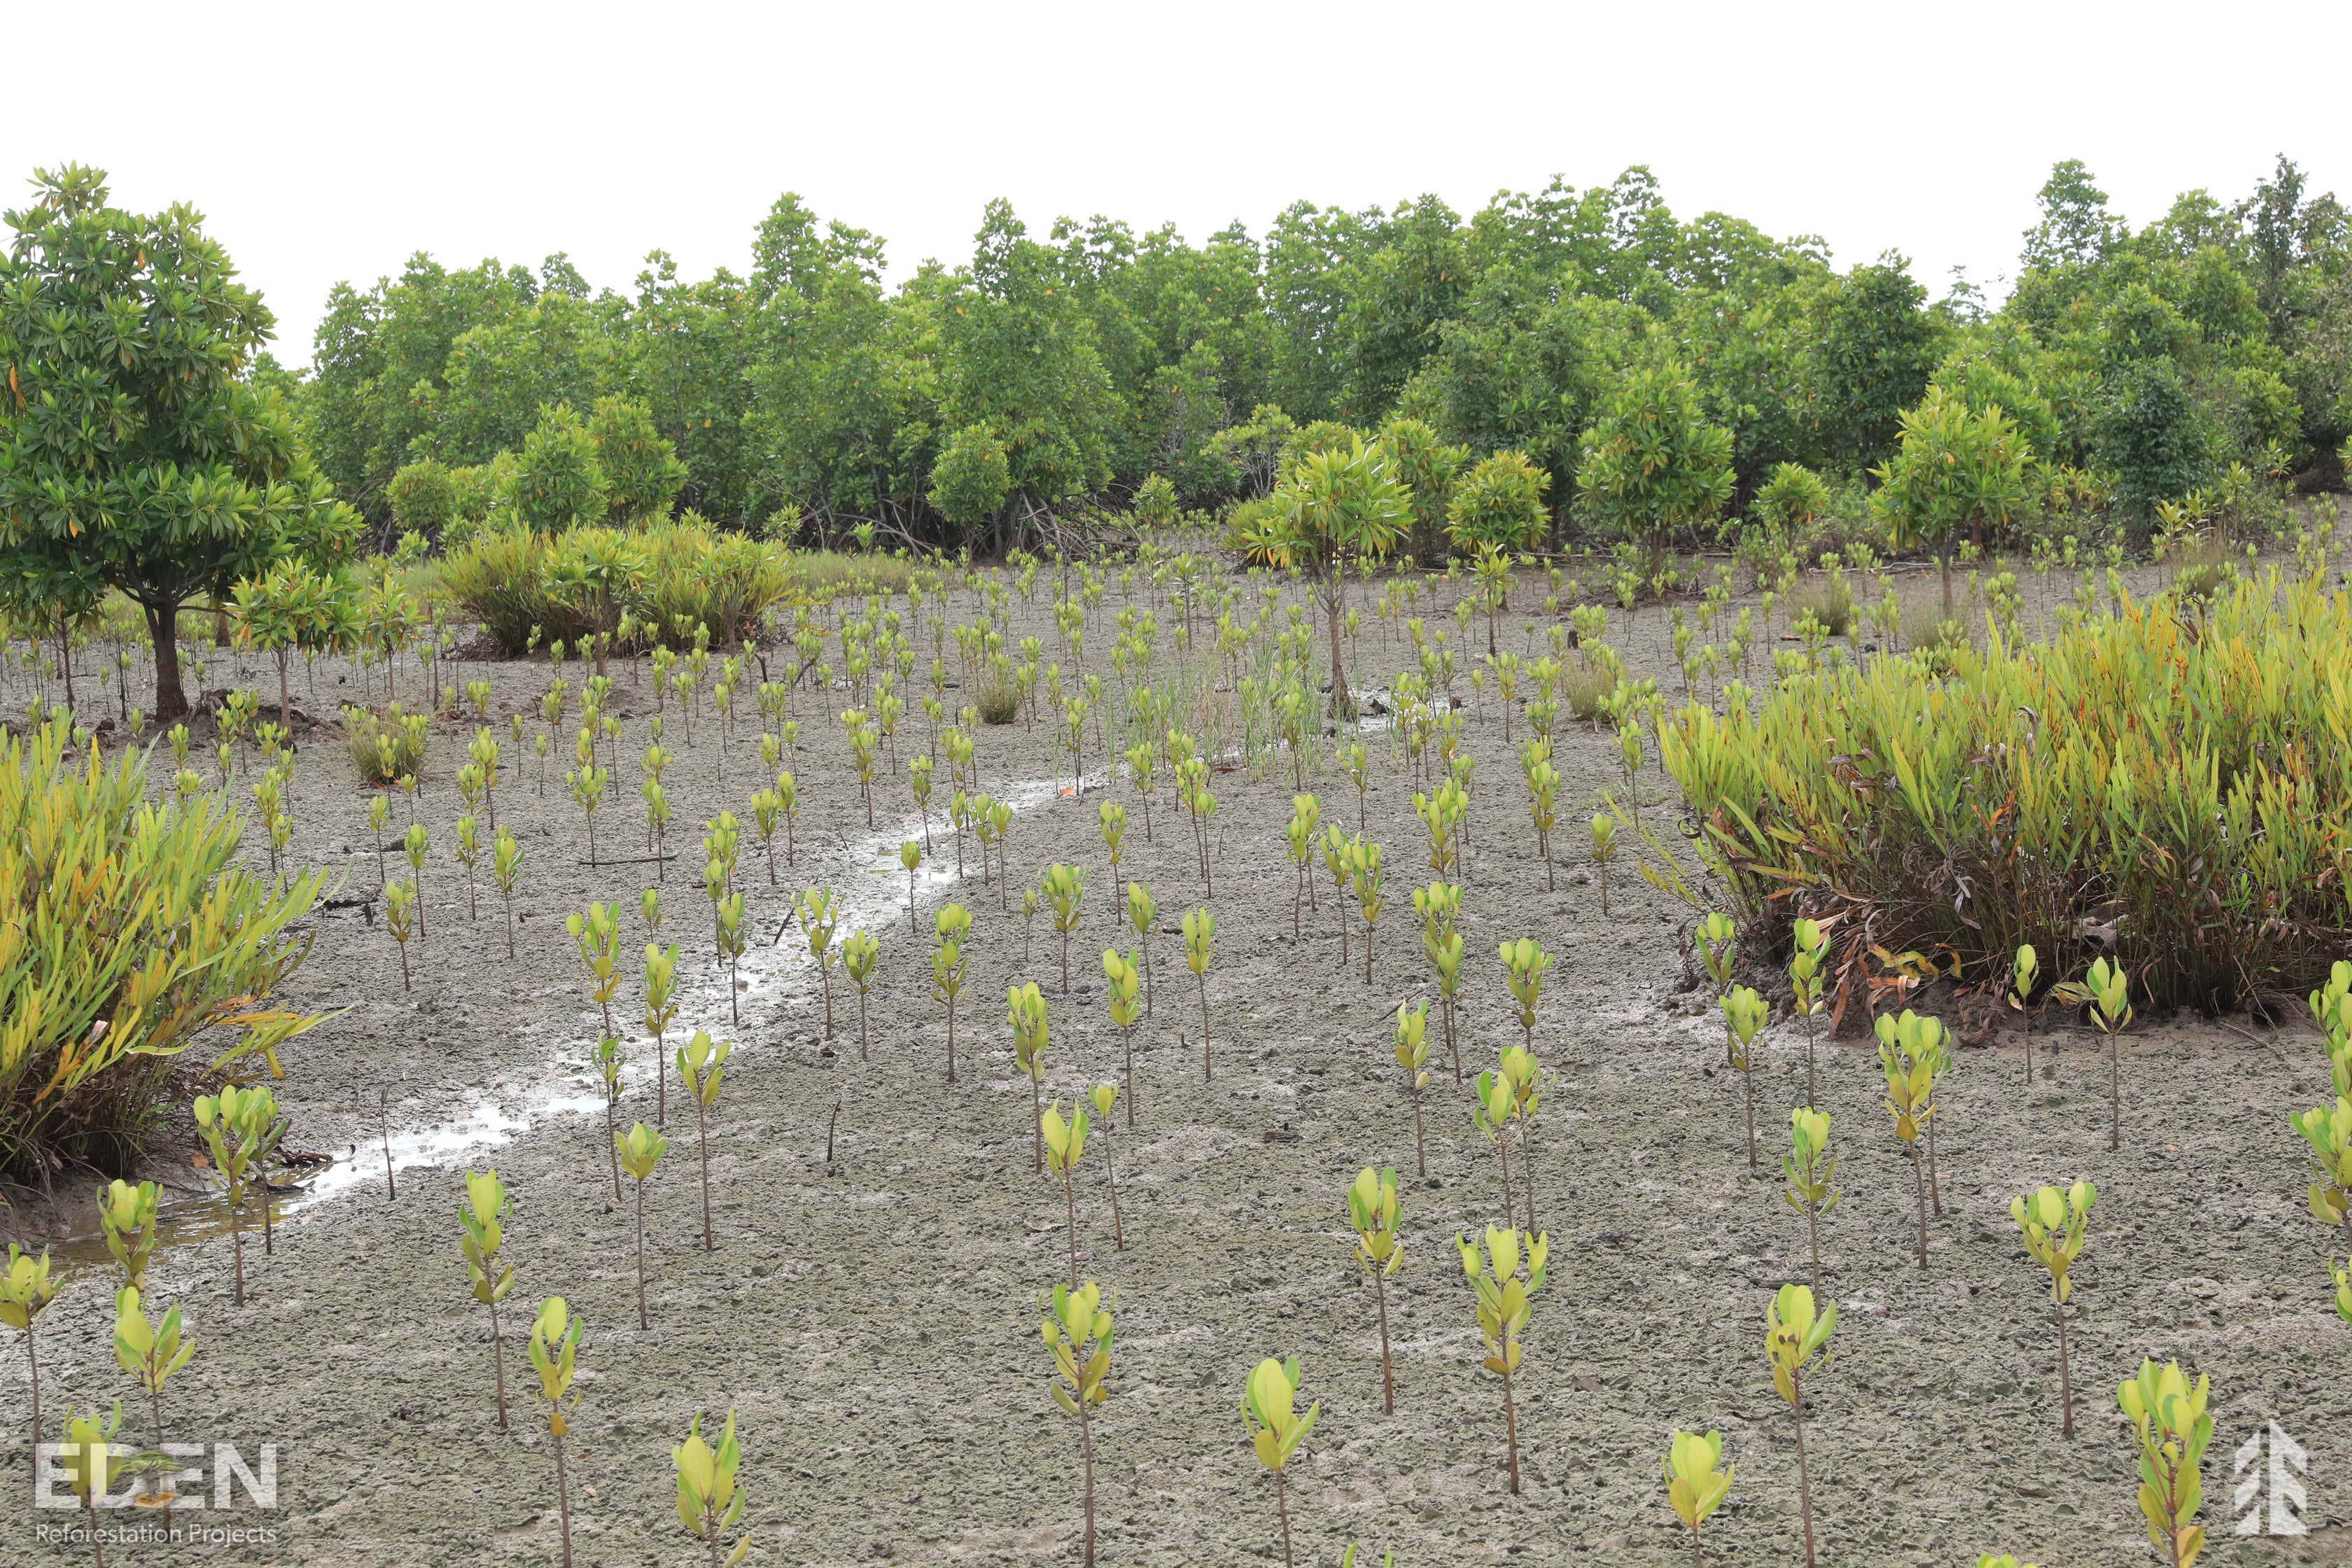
x=724, y=581
x=512, y=580
x=116, y=914
x=2177, y=770
x=1587, y=686
x=382, y=746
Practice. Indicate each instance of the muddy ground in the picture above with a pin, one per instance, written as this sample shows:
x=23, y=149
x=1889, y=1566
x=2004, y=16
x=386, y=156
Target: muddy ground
x=872, y=1320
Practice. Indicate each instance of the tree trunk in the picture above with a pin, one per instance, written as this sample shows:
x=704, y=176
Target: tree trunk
x=163, y=627
x=1343, y=707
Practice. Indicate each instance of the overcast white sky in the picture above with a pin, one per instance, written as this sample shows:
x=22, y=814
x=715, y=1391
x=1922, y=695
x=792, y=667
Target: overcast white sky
x=329, y=141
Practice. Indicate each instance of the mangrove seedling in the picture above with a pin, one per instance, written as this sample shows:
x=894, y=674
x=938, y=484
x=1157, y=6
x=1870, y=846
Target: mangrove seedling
x=708, y=1503
x=1744, y=1013
x=1543, y=789
x=1105, y=1096
x=2022, y=974
x=1525, y=963
x=469, y=855
x=2106, y=990
x=920, y=781
x=1805, y=985
x=554, y=1344
x=1141, y=913
x=1605, y=848
x=910, y=856
x=1695, y=1488
x=1122, y=983
x=127, y=1215
x=399, y=910
x=1024, y=1009
x=1029, y=906
x=1495, y=1110
x=2171, y=1426
x=948, y=960
x=2053, y=1224
x=1112, y=819
x=1065, y=1143
x=1064, y=885
x=859, y=951
x=1298, y=839
x=1356, y=762
x=611, y=1060
x=234, y=1124
x=92, y=1461
x=1078, y=1332
x=639, y=1150
x=1718, y=949
x=150, y=1353
x=1412, y=1056
x=1809, y=1166
x=26, y=1292
x=484, y=1217
x=597, y=935
x=1503, y=1311
x=1793, y=1337
x=661, y=1006
x=729, y=911
x=378, y=817
x=1269, y=1415
x=1364, y=879
x=416, y=843
x=506, y=866
x=1909, y=1054
x=1372, y=1215
x=819, y=910
x=701, y=1067
x=1199, y=946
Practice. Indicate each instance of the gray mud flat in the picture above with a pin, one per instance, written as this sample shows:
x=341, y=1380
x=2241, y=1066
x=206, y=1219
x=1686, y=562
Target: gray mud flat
x=872, y=1320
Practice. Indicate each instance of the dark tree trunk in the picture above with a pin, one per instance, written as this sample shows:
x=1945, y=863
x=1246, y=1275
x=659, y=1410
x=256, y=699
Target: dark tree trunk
x=163, y=629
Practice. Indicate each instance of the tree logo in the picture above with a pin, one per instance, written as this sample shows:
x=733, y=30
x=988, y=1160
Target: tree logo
x=2282, y=1493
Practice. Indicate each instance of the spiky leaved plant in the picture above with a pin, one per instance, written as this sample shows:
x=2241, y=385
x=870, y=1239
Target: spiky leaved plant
x=1199, y=946
x=399, y=919
x=1793, y=1337
x=92, y=1461
x=1105, y=1099
x=2106, y=990
x=949, y=958
x=127, y=1215
x=1373, y=1213
x=1695, y=1488
x=1412, y=1056
x=505, y=868
x=639, y=1150
x=1503, y=1311
x=1744, y=1013
x=150, y=1353
x=1121, y=983
x=2172, y=1429
x=1604, y=849
x=1269, y=1415
x=1298, y=840
x=1065, y=888
x=708, y=1501
x=554, y=1346
x=1065, y=1143
x=484, y=1217
x=1141, y=913
x=2053, y=1224
x=701, y=1067
x=1908, y=1055
x=1809, y=1166
x=1077, y=1333
x=2023, y=976
x=1805, y=987
x=1025, y=1010
x=819, y=912
x=234, y=1125
x=26, y=1292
